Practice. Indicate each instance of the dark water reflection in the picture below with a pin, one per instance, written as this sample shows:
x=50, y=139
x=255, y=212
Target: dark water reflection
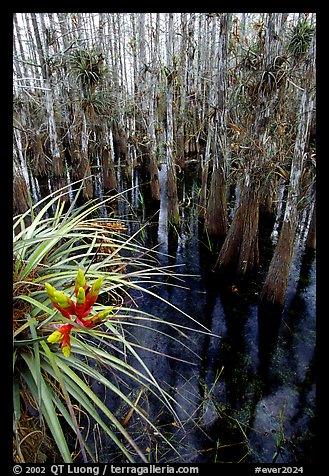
x=249, y=394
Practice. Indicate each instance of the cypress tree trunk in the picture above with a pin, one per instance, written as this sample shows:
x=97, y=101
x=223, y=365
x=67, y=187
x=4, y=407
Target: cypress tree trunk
x=21, y=185
x=190, y=113
x=267, y=203
x=204, y=184
x=181, y=93
x=144, y=69
x=20, y=190
x=173, y=209
x=109, y=176
x=54, y=144
x=275, y=114
x=274, y=289
x=85, y=171
x=311, y=236
x=208, y=100
x=275, y=286
x=239, y=253
x=216, y=214
x=153, y=162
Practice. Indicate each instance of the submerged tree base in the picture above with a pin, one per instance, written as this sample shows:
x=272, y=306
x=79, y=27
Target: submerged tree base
x=274, y=289
x=240, y=253
x=216, y=212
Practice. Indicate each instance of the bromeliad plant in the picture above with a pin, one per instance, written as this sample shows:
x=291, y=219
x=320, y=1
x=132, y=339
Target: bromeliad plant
x=86, y=296
x=52, y=389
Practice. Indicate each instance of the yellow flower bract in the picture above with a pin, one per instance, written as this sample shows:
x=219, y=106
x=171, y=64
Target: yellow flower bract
x=66, y=349
x=55, y=337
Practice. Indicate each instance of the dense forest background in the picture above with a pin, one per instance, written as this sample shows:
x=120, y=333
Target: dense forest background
x=235, y=92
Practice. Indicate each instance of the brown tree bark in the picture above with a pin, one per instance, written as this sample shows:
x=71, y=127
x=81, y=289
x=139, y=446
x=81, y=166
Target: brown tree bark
x=240, y=253
x=20, y=190
x=311, y=236
x=109, y=175
x=216, y=214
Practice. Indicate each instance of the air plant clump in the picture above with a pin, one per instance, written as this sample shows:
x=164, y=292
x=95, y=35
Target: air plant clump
x=88, y=67
x=98, y=103
x=300, y=39
x=86, y=296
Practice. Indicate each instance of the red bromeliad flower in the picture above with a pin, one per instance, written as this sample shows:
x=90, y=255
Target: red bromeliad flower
x=86, y=297
x=62, y=335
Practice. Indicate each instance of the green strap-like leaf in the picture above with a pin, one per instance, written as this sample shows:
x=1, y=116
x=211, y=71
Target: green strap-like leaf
x=47, y=407
x=52, y=360
x=84, y=388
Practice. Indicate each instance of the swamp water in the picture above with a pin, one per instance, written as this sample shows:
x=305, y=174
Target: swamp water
x=245, y=392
